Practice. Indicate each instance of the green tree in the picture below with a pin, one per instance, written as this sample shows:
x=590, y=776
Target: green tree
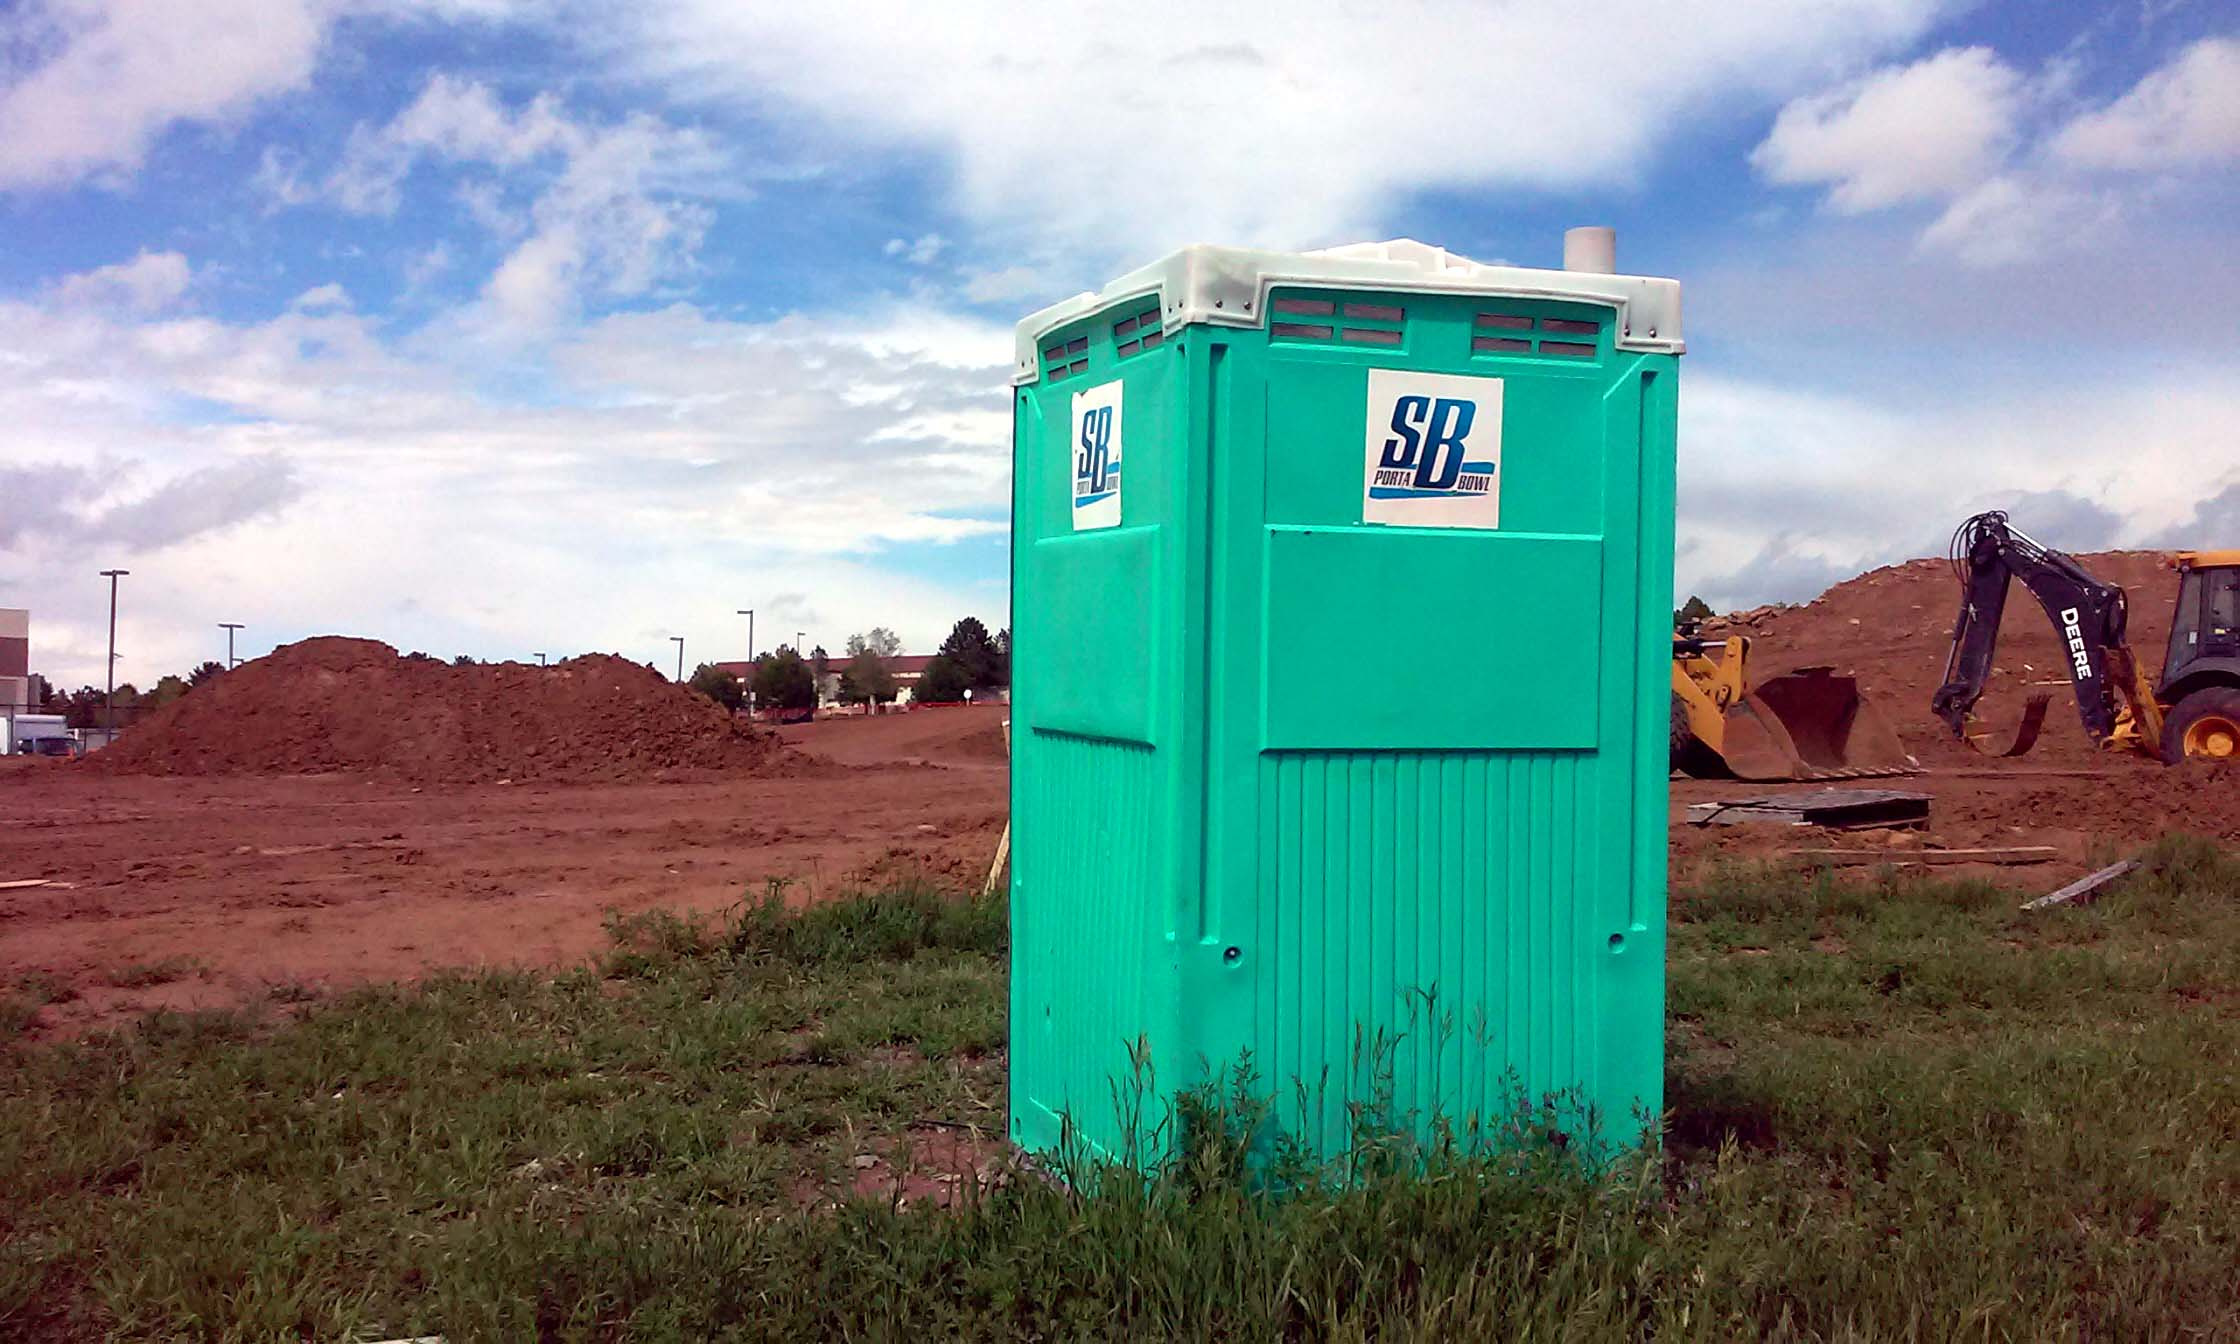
x=719, y=685
x=164, y=692
x=820, y=667
x=878, y=639
x=1693, y=610
x=463, y=660
x=867, y=679
x=204, y=672
x=943, y=682
x=979, y=659
x=782, y=681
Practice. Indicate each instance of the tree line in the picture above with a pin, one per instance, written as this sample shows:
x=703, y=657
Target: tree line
x=970, y=659
x=87, y=707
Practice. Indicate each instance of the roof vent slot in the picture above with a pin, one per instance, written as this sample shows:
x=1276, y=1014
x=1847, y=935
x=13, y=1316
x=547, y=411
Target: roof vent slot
x=1132, y=335
x=1063, y=359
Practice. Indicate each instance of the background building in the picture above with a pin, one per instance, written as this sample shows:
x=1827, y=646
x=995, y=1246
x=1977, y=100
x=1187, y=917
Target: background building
x=15, y=660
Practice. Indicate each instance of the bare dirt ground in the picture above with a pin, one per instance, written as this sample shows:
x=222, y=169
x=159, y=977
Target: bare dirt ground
x=187, y=891
x=206, y=891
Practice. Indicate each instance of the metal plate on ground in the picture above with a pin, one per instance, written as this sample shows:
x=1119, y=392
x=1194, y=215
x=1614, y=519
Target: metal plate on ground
x=1835, y=809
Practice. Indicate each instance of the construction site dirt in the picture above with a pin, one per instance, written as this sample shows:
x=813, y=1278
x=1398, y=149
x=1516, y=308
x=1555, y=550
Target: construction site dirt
x=189, y=890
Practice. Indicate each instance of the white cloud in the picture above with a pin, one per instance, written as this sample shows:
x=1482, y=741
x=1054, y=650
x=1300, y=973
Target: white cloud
x=2186, y=113
x=918, y=252
x=1903, y=133
x=611, y=208
x=1956, y=130
x=1784, y=490
x=112, y=75
x=308, y=474
x=148, y=283
x=2013, y=218
x=1128, y=129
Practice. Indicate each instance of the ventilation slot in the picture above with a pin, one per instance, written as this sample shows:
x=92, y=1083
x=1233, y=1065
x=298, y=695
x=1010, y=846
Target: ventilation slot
x=1344, y=322
x=1133, y=335
x=1065, y=358
x=1535, y=336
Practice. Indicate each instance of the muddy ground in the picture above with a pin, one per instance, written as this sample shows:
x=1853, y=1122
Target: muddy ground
x=201, y=892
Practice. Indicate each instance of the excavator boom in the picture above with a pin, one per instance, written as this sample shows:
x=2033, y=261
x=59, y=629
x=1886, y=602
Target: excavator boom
x=2091, y=617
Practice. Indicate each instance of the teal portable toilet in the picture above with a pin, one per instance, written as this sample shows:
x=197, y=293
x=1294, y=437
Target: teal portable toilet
x=1341, y=602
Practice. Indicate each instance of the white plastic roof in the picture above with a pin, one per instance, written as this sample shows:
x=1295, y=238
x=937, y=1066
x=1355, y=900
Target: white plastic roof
x=1228, y=286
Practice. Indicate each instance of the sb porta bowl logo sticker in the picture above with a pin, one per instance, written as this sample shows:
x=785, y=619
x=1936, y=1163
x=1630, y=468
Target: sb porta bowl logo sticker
x=1434, y=450
x=1096, y=457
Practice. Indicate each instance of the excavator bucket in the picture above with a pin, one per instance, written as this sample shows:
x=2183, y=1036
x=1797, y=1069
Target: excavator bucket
x=1811, y=724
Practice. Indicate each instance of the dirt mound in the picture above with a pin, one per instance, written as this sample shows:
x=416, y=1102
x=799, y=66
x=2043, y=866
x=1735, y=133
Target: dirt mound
x=353, y=705
x=1892, y=627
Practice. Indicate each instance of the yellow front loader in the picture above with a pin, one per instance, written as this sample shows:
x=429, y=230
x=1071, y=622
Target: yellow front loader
x=1806, y=724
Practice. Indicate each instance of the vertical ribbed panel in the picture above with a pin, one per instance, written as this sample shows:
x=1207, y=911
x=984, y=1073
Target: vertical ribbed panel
x=1086, y=926
x=1446, y=900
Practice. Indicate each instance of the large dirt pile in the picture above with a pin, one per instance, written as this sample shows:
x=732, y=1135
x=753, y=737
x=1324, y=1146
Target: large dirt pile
x=354, y=705
x=1892, y=627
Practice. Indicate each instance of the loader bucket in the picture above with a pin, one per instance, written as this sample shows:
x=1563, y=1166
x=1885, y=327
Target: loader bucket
x=1811, y=724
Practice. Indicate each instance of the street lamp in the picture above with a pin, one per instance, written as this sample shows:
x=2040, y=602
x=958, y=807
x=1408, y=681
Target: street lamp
x=678, y=640
x=229, y=627
x=748, y=612
x=797, y=636
x=540, y=660
x=112, y=575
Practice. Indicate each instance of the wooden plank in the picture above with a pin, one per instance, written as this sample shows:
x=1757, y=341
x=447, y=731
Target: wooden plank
x=2084, y=889
x=1840, y=858
x=25, y=882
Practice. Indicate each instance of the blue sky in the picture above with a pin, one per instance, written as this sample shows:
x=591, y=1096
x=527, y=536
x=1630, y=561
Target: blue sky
x=495, y=327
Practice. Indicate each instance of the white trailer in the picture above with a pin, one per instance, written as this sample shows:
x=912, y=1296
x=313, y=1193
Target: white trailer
x=25, y=729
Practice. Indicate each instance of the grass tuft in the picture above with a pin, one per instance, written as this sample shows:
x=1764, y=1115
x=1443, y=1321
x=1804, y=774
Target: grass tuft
x=1898, y=1108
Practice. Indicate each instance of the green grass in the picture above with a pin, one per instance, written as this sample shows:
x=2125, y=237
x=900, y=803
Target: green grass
x=1899, y=1108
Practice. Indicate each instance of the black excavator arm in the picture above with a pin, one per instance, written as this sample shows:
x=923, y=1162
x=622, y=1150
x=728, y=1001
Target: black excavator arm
x=2092, y=618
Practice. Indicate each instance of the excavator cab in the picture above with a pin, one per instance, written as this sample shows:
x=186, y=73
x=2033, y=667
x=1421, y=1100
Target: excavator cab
x=2201, y=674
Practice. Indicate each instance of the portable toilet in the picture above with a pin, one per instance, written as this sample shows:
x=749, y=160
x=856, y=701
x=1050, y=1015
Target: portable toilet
x=1342, y=617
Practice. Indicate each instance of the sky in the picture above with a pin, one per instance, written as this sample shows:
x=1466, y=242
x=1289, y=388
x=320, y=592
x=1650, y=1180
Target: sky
x=501, y=327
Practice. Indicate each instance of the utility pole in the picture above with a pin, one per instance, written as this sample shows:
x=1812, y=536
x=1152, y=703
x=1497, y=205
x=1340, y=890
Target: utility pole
x=678, y=640
x=797, y=636
x=229, y=627
x=540, y=660
x=748, y=612
x=112, y=575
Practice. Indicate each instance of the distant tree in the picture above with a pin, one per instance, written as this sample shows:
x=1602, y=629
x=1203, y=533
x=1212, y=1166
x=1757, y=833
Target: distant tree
x=204, y=672
x=1694, y=609
x=164, y=692
x=82, y=707
x=1003, y=655
x=782, y=681
x=878, y=639
x=868, y=678
x=977, y=656
x=943, y=682
x=820, y=666
x=719, y=685
x=463, y=660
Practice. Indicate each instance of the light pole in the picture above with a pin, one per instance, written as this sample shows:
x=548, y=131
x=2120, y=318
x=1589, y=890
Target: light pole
x=678, y=640
x=797, y=635
x=748, y=612
x=112, y=575
x=229, y=627
x=540, y=660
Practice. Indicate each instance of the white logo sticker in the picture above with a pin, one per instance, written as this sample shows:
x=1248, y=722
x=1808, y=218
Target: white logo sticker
x=1434, y=450
x=1095, y=479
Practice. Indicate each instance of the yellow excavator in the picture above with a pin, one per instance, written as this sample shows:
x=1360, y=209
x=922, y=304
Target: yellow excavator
x=2194, y=711
x=1807, y=724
